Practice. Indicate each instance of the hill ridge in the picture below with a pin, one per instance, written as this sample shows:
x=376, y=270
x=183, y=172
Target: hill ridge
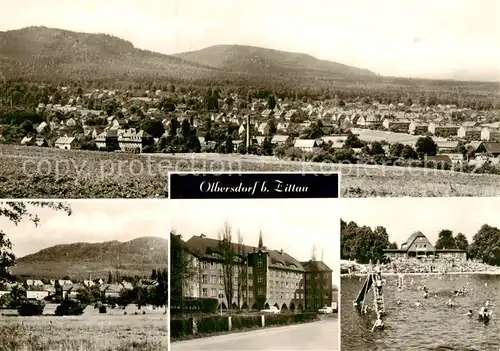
x=134, y=257
x=44, y=53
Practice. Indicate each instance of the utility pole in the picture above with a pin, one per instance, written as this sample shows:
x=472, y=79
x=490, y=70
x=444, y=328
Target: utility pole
x=248, y=307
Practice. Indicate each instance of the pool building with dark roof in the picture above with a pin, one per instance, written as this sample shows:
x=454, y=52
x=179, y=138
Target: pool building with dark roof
x=268, y=277
x=418, y=246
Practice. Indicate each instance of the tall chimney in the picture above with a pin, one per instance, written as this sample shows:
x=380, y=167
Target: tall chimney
x=248, y=132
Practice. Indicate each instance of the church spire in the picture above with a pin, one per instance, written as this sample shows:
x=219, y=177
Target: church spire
x=261, y=245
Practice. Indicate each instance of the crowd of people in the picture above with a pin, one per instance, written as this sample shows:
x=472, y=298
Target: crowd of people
x=425, y=266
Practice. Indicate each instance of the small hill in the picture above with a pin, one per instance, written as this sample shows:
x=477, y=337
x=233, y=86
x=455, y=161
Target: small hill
x=260, y=61
x=78, y=260
x=48, y=53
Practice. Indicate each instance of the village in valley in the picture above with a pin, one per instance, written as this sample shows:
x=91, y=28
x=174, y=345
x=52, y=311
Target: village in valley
x=167, y=119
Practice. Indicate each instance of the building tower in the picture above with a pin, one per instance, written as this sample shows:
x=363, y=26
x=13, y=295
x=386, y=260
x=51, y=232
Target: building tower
x=261, y=244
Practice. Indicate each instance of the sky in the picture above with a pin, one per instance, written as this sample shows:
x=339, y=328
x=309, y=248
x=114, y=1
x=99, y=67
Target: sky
x=451, y=39
x=294, y=225
x=403, y=216
x=90, y=221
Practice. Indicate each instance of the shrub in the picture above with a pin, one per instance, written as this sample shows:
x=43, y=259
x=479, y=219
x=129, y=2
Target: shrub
x=243, y=322
x=70, y=308
x=213, y=324
x=286, y=319
x=102, y=309
x=181, y=327
x=31, y=308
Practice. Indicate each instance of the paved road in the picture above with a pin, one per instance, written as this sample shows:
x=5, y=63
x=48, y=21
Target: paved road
x=321, y=335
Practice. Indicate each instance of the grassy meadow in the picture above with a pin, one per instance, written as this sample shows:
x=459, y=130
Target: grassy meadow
x=31, y=172
x=91, y=331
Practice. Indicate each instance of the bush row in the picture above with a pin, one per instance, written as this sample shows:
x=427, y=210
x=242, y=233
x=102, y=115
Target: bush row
x=217, y=324
x=194, y=305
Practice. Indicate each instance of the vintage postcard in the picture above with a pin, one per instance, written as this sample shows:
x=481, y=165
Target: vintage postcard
x=101, y=99
x=84, y=275
x=254, y=273
x=420, y=274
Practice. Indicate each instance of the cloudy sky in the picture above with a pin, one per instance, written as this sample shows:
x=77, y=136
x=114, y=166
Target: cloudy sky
x=404, y=216
x=90, y=221
x=424, y=38
x=292, y=225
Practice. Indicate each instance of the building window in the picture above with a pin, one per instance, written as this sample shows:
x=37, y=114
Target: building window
x=213, y=265
x=250, y=294
x=261, y=291
x=259, y=262
x=204, y=279
x=213, y=279
x=250, y=276
x=221, y=280
x=204, y=292
x=286, y=284
x=260, y=279
x=204, y=265
x=214, y=292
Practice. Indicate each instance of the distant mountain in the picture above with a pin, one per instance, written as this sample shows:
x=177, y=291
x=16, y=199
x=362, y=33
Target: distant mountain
x=138, y=256
x=47, y=53
x=41, y=53
x=260, y=61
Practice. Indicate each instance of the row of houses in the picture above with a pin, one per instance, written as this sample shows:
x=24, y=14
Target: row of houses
x=38, y=290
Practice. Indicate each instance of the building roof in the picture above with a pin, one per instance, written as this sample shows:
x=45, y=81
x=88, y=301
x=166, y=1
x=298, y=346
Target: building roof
x=204, y=247
x=279, y=138
x=305, y=143
x=491, y=147
x=316, y=266
x=65, y=140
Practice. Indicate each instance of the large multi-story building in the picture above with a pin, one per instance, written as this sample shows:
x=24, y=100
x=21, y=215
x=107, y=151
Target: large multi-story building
x=261, y=277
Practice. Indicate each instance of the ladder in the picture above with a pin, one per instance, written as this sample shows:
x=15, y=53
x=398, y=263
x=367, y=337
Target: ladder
x=378, y=301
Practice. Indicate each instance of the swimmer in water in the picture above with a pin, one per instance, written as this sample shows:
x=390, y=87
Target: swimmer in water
x=450, y=303
x=487, y=303
x=426, y=295
x=379, y=323
x=398, y=302
x=418, y=304
x=469, y=314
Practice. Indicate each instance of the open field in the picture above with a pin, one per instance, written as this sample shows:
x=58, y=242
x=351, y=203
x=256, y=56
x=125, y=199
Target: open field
x=30, y=172
x=369, y=135
x=91, y=331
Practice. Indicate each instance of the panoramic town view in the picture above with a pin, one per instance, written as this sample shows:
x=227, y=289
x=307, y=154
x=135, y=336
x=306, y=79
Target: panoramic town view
x=243, y=280
x=79, y=276
x=438, y=274
x=84, y=114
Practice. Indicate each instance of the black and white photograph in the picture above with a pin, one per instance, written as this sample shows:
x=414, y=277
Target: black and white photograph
x=252, y=274
x=100, y=99
x=420, y=274
x=84, y=275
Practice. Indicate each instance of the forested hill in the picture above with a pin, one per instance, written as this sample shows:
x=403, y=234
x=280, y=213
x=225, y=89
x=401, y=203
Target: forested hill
x=40, y=53
x=138, y=256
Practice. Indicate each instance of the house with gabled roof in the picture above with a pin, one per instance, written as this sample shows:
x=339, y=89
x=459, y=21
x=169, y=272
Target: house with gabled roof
x=419, y=246
x=418, y=128
x=489, y=148
x=279, y=139
x=306, y=145
x=490, y=134
x=472, y=133
x=67, y=143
